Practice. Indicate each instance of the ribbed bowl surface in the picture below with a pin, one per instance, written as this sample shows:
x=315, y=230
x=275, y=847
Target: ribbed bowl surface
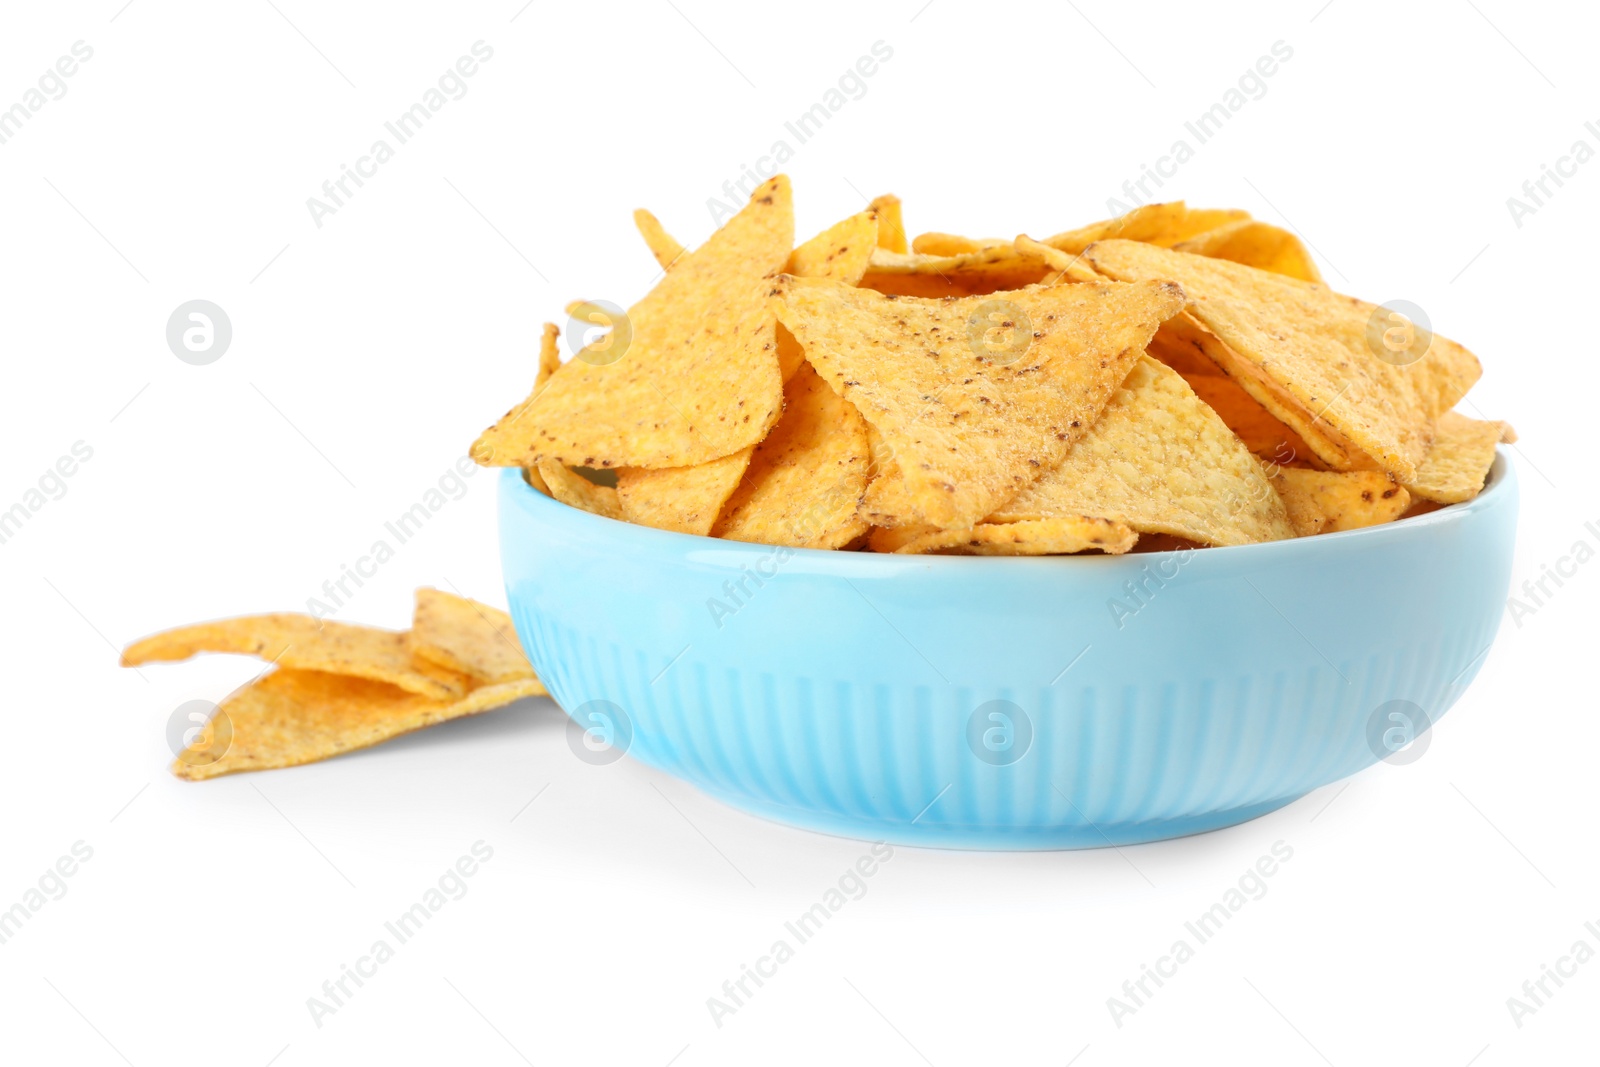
x=1007, y=702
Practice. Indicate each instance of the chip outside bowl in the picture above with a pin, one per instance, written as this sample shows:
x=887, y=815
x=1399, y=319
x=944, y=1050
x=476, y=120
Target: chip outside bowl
x=854, y=693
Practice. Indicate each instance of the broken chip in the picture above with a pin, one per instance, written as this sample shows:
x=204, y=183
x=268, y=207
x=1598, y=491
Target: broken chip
x=467, y=637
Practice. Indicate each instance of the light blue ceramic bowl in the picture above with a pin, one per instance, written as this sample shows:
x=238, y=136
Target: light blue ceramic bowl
x=1007, y=703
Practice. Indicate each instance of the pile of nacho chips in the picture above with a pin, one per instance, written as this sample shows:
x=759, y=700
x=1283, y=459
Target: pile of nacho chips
x=1175, y=374
x=334, y=687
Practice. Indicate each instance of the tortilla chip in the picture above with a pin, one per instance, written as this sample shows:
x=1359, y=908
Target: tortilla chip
x=304, y=643
x=891, y=227
x=1163, y=225
x=1455, y=467
x=950, y=244
x=291, y=717
x=807, y=478
x=1296, y=346
x=549, y=360
x=1073, y=268
x=699, y=378
x=662, y=244
x=469, y=638
x=574, y=490
x=1261, y=431
x=986, y=271
x=970, y=424
x=840, y=252
x=1255, y=244
x=1160, y=461
x=1055, y=536
x=683, y=499
x=1330, y=501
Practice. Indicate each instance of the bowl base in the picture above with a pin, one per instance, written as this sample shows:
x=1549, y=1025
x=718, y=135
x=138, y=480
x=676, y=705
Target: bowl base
x=930, y=833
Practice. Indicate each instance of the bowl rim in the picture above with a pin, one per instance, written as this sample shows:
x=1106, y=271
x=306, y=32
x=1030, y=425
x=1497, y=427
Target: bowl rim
x=1500, y=482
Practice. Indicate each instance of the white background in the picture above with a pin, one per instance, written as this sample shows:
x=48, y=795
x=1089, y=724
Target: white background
x=368, y=352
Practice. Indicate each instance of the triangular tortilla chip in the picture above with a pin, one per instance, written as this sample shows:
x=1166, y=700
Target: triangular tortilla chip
x=807, y=478
x=1160, y=461
x=683, y=499
x=1459, y=461
x=549, y=361
x=574, y=490
x=1056, y=536
x=1303, y=345
x=975, y=396
x=952, y=244
x=1158, y=224
x=1255, y=244
x=988, y=270
x=891, y=227
x=1330, y=501
x=291, y=717
x=1261, y=431
x=467, y=637
x=304, y=643
x=699, y=378
x=688, y=499
x=662, y=244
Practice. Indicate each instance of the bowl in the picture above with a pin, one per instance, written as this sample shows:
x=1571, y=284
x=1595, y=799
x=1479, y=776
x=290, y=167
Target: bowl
x=1006, y=703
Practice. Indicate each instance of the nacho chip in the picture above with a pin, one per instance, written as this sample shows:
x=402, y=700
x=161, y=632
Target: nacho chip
x=891, y=227
x=574, y=490
x=840, y=252
x=986, y=271
x=1055, y=536
x=549, y=360
x=1455, y=467
x=976, y=396
x=1299, y=348
x=304, y=643
x=1160, y=461
x=1255, y=244
x=807, y=478
x=1330, y=501
x=469, y=638
x=1163, y=225
x=1071, y=267
x=699, y=378
x=291, y=717
x=683, y=499
x=1261, y=431
x=950, y=244
x=662, y=244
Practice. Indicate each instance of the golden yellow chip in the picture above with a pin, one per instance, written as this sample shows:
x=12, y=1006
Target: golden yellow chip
x=697, y=378
x=1073, y=268
x=807, y=478
x=683, y=499
x=1330, y=501
x=662, y=244
x=290, y=717
x=1261, y=431
x=549, y=360
x=840, y=252
x=304, y=643
x=1297, y=345
x=891, y=227
x=1160, y=461
x=975, y=396
x=468, y=637
x=574, y=490
x=1255, y=244
x=988, y=270
x=1056, y=536
x=1459, y=461
x=950, y=244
